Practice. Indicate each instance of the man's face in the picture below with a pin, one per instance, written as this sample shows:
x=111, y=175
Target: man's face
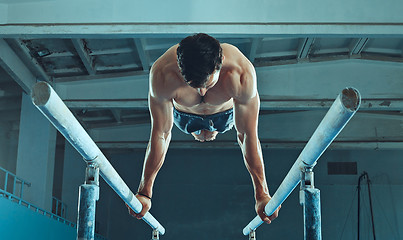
x=211, y=82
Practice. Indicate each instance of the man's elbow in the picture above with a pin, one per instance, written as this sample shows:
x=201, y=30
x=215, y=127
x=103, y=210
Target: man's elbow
x=240, y=138
x=247, y=138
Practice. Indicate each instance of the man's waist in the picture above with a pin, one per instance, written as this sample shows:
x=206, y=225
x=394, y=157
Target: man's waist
x=196, y=114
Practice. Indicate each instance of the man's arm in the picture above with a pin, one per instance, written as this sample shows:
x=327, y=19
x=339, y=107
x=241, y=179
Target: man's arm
x=246, y=110
x=160, y=105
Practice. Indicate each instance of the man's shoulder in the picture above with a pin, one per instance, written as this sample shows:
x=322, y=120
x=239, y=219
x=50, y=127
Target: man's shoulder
x=241, y=80
x=228, y=46
x=164, y=79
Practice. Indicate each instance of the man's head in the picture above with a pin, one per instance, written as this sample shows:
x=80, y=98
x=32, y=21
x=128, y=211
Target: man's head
x=199, y=56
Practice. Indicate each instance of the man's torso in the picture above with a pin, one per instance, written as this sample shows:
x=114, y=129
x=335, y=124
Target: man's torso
x=217, y=99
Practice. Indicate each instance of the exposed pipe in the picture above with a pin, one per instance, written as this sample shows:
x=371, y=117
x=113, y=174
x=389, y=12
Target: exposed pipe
x=50, y=104
x=341, y=111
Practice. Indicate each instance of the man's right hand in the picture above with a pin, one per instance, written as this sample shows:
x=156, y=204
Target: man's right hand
x=260, y=206
x=146, y=207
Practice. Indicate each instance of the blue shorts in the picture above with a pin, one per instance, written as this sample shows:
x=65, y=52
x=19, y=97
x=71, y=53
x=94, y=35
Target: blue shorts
x=192, y=123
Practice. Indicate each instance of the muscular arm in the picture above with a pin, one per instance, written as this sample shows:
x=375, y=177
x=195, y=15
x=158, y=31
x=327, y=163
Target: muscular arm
x=160, y=106
x=246, y=110
x=246, y=124
x=161, y=125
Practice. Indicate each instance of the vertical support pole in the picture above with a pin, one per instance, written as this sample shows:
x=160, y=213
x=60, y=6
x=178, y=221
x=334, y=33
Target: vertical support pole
x=364, y=175
x=14, y=183
x=370, y=206
x=310, y=201
x=5, y=182
x=156, y=234
x=252, y=235
x=88, y=195
x=21, y=189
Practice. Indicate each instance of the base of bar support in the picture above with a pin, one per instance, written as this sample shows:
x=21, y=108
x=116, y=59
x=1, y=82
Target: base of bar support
x=312, y=214
x=88, y=195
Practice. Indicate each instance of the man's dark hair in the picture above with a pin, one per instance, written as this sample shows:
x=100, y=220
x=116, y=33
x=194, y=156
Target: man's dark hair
x=198, y=56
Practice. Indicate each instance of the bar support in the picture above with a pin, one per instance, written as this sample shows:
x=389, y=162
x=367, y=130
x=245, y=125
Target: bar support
x=341, y=111
x=156, y=235
x=50, y=104
x=252, y=235
x=88, y=196
x=310, y=202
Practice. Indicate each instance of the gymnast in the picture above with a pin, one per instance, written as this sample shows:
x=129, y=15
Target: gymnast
x=205, y=88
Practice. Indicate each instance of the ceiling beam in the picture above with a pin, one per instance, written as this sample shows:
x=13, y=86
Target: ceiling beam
x=144, y=58
x=279, y=87
x=113, y=77
x=357, y=45
x=253, y=48
x=265, y=104
x=84, y=53
x=15, y=67
x=180, y=30
x=62, y=71
x=276, y=54
x=33, y=63
x=107, y=104
x=384, y=51
x=161, y=46
x=331, y=51
x=304, y=48
x=381, y=58
x=118, y=67
x=117, y=115
x=111, y=51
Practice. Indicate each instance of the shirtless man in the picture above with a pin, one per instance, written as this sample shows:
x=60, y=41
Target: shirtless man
x=204, y=87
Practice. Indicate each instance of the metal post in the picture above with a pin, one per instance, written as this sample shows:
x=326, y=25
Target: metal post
x=14, y=183
x=50, y=105
x=364, y=175
x=341, y=111
x=310, y=201
x=156, y=234
x=65, y=211
x=252, y=235
x=5, y=182
x=358, y=207
x=21, y=189
x=370, y=206
x=88, y=195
